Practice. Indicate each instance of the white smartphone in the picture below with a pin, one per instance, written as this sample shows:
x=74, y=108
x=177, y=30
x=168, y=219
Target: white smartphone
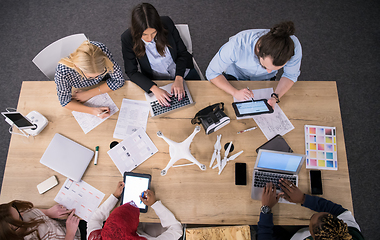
x=47, y=184
x=18, y=120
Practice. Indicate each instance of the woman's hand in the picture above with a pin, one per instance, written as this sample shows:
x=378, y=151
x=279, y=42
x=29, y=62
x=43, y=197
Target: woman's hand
x=269, y=198
x=177, y=88
x=101, y=112
x=291, y=192
x=162, y=96
x=149, y=198
x=57, y=211
x=72, y=223
x=119, y=189
x=243, y=94
x=82, y=96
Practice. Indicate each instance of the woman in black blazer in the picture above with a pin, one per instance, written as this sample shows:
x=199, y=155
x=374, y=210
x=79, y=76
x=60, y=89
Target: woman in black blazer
x=148, y=43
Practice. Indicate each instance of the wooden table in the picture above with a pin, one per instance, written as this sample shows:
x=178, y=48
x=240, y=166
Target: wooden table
x=194, y=196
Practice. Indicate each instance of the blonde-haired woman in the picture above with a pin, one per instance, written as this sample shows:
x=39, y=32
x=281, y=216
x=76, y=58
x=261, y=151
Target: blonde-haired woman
x=91, y=64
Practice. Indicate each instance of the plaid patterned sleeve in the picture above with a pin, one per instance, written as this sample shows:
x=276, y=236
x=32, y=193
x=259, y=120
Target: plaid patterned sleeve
x=116, y=79
x=63, y=78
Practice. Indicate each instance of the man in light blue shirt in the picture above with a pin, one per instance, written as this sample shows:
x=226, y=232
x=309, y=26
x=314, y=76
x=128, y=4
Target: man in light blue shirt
x=258, y=54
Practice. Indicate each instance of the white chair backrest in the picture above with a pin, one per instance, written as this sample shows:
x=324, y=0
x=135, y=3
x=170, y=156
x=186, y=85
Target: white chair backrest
x=47, y=60
x=184, y=33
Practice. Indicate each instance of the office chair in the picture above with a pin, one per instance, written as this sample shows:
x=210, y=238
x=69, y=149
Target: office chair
x=184, y=32
x=47, y=60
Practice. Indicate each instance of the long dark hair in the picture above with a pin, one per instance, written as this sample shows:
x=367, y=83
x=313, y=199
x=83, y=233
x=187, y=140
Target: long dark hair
x=277, y=43
x=146, y=16
x=6, y=220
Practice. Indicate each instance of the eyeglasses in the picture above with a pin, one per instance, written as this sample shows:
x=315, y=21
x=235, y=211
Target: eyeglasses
x=15, y=207
x=92, y=78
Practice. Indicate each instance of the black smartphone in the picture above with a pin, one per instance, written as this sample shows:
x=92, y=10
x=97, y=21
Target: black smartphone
x=316, y=182
x=240, y=174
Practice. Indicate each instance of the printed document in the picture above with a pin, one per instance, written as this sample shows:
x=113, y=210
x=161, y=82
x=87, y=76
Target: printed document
x=132, y=151
x=80, y=196
x=132, y=116
x=273, y=123
x=88, y=121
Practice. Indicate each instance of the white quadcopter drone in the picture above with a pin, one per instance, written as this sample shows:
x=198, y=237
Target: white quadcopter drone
x=179, y=151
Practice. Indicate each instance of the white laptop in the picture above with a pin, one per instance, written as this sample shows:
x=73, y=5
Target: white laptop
x=272, y=165
x=67, y=157
x=157, y=110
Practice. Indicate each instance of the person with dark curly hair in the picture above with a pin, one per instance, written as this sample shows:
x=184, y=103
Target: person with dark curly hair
x=331, y=220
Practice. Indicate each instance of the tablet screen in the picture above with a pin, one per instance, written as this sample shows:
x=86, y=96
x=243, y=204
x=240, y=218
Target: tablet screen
x=252, y=107
x=134, y=186
x=19, y=120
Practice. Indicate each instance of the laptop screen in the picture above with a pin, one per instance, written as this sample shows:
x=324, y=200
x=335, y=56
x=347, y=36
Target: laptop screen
x=279, y=161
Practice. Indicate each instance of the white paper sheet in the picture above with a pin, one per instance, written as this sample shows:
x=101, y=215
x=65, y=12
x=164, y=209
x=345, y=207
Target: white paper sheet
x=132, y=151
x=80, y=196
x=87, y=121
x=132, y=116
x=274, y=123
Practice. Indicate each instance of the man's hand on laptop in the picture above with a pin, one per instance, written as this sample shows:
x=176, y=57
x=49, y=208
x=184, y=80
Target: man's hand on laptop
x=291, y=192
x=269, y=198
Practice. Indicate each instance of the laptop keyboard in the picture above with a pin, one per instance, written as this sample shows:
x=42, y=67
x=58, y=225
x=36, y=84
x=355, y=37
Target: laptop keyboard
x=262, y=178
x=174, y=104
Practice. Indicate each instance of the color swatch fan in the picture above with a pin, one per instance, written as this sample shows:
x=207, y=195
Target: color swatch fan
x=320, y=144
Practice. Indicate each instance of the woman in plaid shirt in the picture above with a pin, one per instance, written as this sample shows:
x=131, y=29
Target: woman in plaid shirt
x=90, y=66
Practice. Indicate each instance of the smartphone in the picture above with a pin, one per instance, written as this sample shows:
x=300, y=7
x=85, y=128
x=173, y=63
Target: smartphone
x=135, y=184
x=251, y=107
x=47, y=184
x=316, y=182
x=18, y=120
x=240, y=174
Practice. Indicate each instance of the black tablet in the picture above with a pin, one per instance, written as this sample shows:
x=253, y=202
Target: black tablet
x=135, y=184
x=252, y=107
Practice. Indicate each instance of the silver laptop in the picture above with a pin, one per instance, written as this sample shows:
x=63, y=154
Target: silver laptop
x=156, y=110
x=67, y=157
x=273, y=165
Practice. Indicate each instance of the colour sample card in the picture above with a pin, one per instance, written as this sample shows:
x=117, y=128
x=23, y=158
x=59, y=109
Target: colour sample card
x=320, y=144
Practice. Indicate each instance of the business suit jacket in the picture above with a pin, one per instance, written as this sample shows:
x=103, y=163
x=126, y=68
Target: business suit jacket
x=177, y=48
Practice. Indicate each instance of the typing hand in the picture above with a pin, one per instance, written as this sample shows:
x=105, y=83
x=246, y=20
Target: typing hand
x=291, y=192
x=270, y=197
x=162, y=96
x=177, y=88
x=243, y=94
x=149, y=198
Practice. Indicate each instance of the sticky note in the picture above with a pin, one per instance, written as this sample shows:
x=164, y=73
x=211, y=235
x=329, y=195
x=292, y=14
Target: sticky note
x=321, y=146
x=328, y=139
x=312, y=130
x=329, y=155
x=321, y=155
x=328, y=131
x=313, y=162
x=313, y=154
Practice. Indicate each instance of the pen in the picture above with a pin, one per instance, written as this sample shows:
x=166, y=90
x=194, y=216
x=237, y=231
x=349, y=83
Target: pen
x=246, y=130
x=96, y=155
x=250, y=90
x=142, y=197
x=102, y=113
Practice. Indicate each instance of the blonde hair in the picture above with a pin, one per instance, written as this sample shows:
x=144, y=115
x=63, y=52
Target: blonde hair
x=88, y=58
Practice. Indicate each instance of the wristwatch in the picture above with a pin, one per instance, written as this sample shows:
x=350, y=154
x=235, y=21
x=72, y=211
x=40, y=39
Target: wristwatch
x=275, y=96
x=265, y=209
